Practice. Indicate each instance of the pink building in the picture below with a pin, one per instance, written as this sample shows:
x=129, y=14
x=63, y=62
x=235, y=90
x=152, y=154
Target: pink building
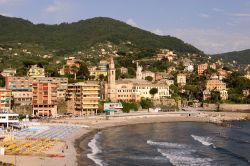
x=202, y=68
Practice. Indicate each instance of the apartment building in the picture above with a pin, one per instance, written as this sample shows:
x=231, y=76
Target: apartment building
x=22, y=97
x=22, y=84
x=82, y=98
x=44, y=99
x=6, y=100
x=202, y=68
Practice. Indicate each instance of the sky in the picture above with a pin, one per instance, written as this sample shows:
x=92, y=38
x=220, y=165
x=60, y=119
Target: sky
x=214, y=26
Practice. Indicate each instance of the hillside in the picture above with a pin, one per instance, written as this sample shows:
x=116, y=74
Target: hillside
x=242, y=57
x=84, y=34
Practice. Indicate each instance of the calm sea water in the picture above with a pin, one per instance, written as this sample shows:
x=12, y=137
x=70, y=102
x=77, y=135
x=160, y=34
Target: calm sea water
x=184, y=143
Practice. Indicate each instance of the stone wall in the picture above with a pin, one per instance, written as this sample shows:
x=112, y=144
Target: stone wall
x=227, y=107
x=165, y=102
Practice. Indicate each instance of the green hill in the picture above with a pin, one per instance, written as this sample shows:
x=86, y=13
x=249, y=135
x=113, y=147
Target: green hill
x=242, y=57
x=85, y=33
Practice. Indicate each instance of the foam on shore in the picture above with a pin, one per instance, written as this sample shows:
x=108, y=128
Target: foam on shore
x=95, y=150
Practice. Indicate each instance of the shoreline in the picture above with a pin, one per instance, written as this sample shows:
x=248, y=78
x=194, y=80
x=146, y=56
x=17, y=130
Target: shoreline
x=76, y=153
x=81, y=143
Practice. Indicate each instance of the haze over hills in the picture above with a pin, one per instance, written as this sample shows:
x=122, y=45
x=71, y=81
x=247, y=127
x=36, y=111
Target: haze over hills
x=84, y=34
x=242, y=57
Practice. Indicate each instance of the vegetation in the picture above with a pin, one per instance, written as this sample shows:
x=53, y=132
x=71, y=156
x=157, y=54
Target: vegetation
x=153, y=91
x=128, y=106
x=146, y=103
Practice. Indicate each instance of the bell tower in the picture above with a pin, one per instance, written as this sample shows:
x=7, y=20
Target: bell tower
x=111, y=80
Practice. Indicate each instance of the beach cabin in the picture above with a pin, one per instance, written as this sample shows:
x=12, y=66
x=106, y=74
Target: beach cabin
x=111, y=108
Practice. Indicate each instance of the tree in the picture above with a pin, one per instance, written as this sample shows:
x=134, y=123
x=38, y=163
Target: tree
x=127, y=107
x=74, y=69
x=153, y=91
x=146, y=103
x=149, y=78
x=83, y=71
x=101, y=77
x=215, y=96
x=2, y=81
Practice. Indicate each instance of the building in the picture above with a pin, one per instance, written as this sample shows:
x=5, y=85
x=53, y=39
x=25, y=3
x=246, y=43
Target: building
x=216, y=85
x=247, y=75
x=165, y=54
x=223, y=95
x=223, y=74
x=171, y=69
x=23, y=85
x=83, y=98
x=36, y=71
x=142, y=75
x=132, y=89
x=213, y=66
x=7, y=117
x=6, y=100
x=71, y=62
x=181, y=79
x=124, y=70
x=111, y=108
x=202, y=68
x=22, y=97
x=246, y=92
x=100, y=69
x=44, y=99
x=10, y=72
x=189, y=68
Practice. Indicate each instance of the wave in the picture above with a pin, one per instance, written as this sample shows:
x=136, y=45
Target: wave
x=230, y=153
x=95, y=150
x=166, y=144
x=204, y=140
x=184, y=158
x=234, y=139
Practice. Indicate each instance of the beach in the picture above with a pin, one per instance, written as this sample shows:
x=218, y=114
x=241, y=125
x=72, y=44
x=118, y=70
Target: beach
x=76, y=153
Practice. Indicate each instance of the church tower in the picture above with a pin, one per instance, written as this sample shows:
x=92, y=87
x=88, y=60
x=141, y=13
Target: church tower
x=138, y=71
x=111, y=80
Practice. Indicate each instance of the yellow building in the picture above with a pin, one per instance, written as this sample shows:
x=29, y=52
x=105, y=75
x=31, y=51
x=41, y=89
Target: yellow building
x=216, y=85
x=36, y=71
x=83, y=98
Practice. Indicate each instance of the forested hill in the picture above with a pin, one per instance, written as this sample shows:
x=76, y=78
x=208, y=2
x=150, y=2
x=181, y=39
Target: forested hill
x=242, y=57
x=85, y=33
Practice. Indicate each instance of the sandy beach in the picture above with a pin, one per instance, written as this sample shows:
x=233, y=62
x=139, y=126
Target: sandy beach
x=78, y=141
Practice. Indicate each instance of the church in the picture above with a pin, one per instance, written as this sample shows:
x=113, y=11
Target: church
x=132, y=89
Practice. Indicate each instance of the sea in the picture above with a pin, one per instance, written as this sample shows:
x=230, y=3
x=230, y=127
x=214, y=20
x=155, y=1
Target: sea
x=177, y=144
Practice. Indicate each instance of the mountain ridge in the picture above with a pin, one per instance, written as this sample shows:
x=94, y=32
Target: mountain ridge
x=242, y=57
x=85, y=33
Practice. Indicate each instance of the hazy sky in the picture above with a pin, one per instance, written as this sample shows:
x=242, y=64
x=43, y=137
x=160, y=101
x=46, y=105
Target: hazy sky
x=213, y=26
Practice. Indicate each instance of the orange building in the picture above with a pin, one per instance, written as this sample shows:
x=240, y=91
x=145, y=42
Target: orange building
x=44, y=98
x=202, y=68
x=6, y=100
